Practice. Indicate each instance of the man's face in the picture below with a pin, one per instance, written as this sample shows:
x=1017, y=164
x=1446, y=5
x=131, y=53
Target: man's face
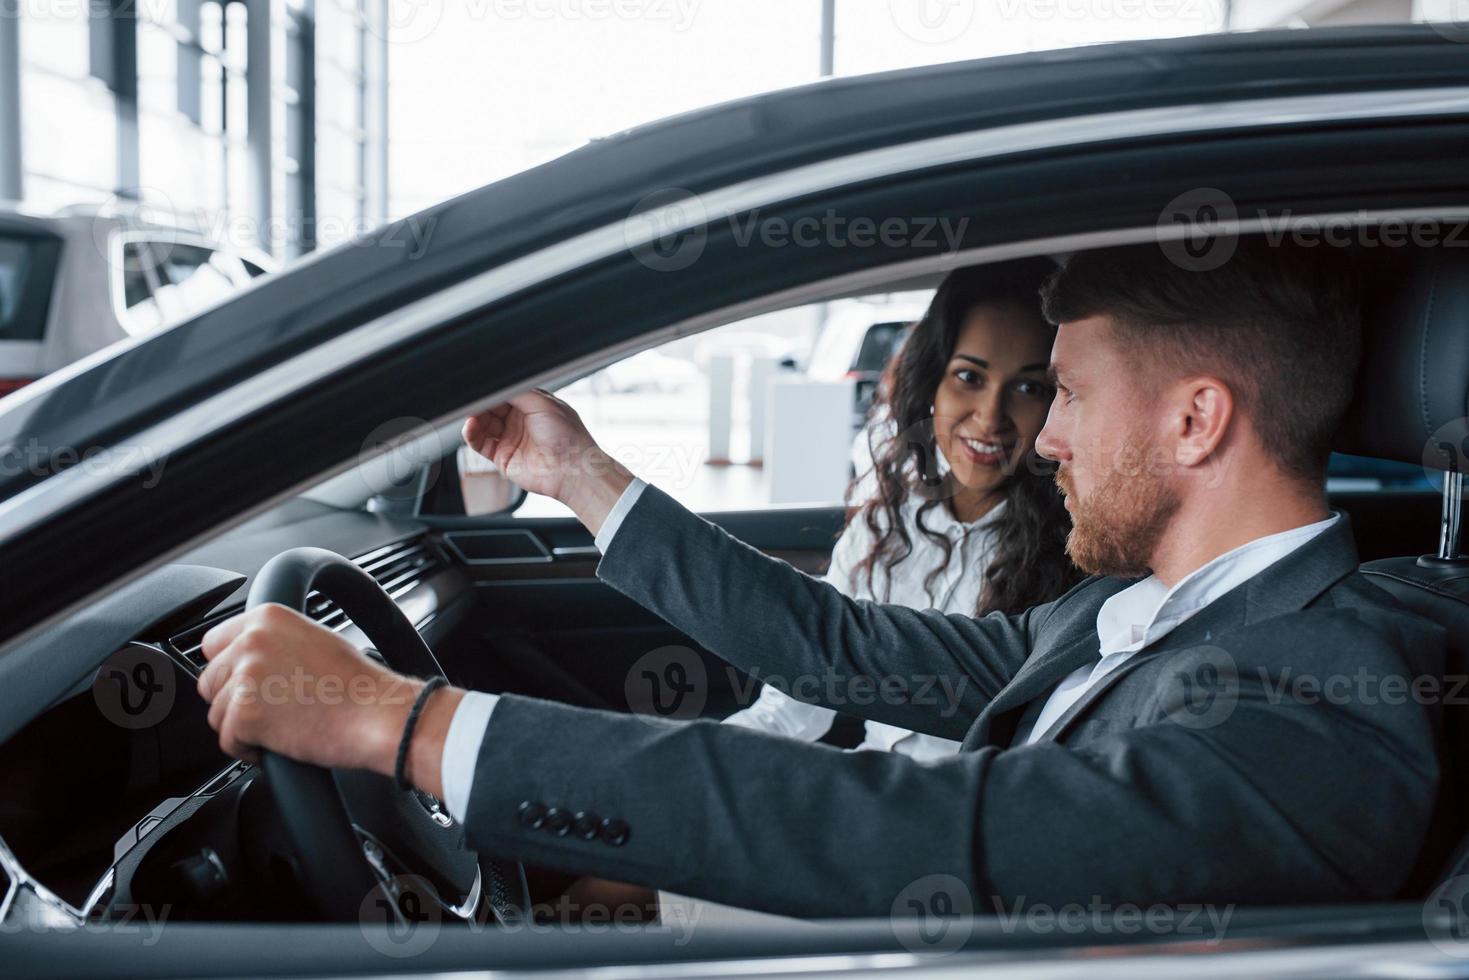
x=1104, y=431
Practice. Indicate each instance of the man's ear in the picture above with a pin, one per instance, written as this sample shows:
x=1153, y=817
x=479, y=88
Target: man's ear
x=1205, y=408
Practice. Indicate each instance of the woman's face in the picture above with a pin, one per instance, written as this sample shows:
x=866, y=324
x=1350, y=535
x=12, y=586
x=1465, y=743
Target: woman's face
x=993, y=397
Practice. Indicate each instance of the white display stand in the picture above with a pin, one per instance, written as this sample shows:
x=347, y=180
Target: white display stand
x=762, y=370
x=721, y=407
x=808, y=440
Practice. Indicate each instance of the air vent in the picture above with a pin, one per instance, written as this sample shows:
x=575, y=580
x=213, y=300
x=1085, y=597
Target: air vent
x=397, y=568
x=188, y=642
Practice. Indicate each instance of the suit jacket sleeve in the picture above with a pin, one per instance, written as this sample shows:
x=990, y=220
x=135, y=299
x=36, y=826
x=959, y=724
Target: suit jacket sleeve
x=917, y=669
x=1271, y=800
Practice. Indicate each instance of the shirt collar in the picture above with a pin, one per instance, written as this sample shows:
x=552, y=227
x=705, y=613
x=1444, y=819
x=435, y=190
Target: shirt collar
x=1147, y=610
x=942, y=519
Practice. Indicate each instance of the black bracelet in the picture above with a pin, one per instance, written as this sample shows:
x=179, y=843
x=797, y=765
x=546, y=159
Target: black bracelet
x=434, y=683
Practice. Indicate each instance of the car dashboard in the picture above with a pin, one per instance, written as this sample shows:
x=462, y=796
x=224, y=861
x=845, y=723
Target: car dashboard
x=103, y=787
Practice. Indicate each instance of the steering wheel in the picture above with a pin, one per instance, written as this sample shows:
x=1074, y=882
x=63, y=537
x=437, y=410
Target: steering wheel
x=355, y=835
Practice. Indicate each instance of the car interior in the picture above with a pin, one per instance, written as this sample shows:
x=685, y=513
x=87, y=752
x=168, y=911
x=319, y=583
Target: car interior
x=119, y=797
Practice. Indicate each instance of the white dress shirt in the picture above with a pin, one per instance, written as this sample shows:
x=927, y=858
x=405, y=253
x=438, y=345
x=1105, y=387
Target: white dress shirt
x=1133, y=618
x=1147, y=611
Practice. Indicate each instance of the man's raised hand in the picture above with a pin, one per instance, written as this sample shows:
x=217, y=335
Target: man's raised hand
x=540, y=443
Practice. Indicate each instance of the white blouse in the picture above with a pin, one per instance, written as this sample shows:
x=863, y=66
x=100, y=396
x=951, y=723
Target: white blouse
x=954, y=590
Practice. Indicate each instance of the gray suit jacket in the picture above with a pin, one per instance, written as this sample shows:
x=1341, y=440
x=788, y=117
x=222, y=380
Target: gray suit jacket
x=1271, y=749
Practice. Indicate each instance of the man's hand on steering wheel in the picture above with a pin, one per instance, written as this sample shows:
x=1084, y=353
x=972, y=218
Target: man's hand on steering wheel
x=277, y=681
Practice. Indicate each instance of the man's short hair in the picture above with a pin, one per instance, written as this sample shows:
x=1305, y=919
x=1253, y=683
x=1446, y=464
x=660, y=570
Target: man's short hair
x=1280, y=324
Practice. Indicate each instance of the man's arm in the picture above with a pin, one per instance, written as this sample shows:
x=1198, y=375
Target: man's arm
x=917, y=669
x=923, y=671
x=1270, y=800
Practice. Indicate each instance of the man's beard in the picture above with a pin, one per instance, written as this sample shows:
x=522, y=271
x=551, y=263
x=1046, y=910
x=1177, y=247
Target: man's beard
x=1117, y=529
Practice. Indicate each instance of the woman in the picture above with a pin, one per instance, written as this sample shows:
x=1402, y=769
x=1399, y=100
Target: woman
x=956, y=512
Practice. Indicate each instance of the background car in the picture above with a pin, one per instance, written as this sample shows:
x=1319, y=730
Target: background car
x=73, y=282
x=858, y=341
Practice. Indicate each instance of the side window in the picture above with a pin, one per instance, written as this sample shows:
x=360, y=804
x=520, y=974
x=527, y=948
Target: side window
x=140, y=311
x=1358, y=474
x=737, y=418
x=191, y=278
x=27, y=275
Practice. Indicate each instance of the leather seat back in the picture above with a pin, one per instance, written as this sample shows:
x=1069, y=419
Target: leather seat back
x=1411, y=403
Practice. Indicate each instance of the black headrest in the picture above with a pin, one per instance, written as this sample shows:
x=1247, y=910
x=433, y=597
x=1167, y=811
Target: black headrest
x=1412, y=392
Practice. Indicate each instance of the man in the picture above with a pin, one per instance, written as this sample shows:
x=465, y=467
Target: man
x=1141, y=739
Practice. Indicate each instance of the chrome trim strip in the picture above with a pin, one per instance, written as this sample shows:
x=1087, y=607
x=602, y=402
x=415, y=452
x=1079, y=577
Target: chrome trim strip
x=72, y=485
x=577, y=551
x=1144, y=959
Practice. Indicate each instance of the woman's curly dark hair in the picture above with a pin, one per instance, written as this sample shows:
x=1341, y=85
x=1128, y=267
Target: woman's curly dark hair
x=1029, y=563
